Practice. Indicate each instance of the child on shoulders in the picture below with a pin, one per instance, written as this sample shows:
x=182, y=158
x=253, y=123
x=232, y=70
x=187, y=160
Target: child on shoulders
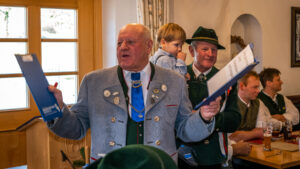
x=169, y=55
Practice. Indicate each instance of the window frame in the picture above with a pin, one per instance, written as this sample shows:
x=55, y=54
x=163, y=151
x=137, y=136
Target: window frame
x=86, y=41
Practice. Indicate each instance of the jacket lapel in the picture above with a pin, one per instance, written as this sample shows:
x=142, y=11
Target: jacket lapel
x=157, y=91
x=114, y=95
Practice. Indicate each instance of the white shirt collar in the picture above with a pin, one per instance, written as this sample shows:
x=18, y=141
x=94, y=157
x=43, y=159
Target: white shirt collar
x=146, y=72
x=247, y=104
x=145, y=80
x=197, y=72
x=274, y=99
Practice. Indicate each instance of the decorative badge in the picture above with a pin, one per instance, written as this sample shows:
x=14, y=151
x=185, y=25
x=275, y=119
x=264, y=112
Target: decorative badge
x=107, y=93
x=156, y=91
x=116, y=100
x=164, y=87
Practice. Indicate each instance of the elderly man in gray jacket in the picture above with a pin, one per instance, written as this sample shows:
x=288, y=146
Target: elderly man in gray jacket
x=107, y=103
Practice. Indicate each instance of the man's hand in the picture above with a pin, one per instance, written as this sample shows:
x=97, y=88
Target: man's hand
x=279, y=117
x=238, y=136
x=57, y=94
x=181, y=56
x=241, y=148
x=209, y=111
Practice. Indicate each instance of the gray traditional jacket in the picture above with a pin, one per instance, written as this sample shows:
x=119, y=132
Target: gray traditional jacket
x=102, y=107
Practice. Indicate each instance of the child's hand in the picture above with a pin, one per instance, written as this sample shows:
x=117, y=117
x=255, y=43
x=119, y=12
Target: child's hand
x=181, y=56
x=187, y=76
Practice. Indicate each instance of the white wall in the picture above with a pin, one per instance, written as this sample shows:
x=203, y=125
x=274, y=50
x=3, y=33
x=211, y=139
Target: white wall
x=115, y=14
x=274, y=17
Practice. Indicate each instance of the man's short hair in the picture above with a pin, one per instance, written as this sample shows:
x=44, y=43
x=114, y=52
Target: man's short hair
x=170, y=32
x=267, y=75
x=245, y=78
x=194, y=44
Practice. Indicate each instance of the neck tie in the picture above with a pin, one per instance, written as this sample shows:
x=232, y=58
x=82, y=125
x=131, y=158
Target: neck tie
x=201, y=77
x=137, y=101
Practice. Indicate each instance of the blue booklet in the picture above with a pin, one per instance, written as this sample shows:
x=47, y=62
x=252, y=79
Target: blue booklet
x=38, y=85
x=240, y=65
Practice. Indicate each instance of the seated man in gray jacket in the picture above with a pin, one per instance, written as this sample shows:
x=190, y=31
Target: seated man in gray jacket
x=133, y=103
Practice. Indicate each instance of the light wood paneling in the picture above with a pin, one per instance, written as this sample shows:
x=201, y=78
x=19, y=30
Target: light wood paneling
x=98, y=62
x=37, y=137
x=44, y=148
x=12, y=149
x=85, y=36
x=12, y=143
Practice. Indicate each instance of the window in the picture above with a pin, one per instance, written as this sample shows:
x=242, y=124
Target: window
x=51, y=30
x=59, y=49
x=13, y=34
x=58, y=56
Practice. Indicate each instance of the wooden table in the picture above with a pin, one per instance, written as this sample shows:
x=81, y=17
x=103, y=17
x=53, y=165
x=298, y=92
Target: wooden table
x=275, y=158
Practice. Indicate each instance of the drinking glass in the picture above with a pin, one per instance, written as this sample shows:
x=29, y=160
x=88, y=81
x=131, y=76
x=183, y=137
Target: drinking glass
x=287, y=131
x=277, y=126
x=267, y=132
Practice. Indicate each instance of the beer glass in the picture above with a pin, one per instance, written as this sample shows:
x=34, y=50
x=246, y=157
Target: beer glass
x=277, y=126
x=267, y=132
x=288, y=129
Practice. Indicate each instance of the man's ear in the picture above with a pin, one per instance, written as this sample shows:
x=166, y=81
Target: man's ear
x=268, y=83
x=241, y=85
x=149, y=44
x=191, y=49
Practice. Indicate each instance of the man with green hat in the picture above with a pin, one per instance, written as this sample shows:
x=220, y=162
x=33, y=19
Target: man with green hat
x=212, y=151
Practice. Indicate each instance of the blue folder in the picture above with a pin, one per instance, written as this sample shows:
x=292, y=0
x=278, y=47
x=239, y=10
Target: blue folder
x=227, y=85
x=38, y=85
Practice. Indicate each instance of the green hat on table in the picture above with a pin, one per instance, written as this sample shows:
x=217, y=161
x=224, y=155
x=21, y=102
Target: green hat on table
x=137, y=156
x=206, y=35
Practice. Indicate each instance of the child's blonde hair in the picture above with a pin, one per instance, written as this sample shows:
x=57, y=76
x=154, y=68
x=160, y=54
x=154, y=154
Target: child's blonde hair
x=170, y=32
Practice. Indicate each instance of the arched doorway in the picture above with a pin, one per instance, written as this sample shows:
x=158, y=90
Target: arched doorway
x=246, y=29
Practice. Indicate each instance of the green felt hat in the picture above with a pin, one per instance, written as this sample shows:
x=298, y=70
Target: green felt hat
x=206, y=35
x=137, y=156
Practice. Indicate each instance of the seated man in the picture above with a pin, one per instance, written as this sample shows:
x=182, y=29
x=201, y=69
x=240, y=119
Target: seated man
x=252, y=110
x=280, y=107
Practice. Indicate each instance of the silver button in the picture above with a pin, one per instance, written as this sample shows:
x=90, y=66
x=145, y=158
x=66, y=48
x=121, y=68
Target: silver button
x=112, y=143
x=206, y=141
x=106, y=93
x=164, y=87
x=156, y=118
x=113, y=119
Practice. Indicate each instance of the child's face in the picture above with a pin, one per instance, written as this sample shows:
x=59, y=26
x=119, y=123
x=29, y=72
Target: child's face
x=172, y=47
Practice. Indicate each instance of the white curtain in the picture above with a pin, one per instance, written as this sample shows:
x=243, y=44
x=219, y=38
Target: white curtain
x=153, y=14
